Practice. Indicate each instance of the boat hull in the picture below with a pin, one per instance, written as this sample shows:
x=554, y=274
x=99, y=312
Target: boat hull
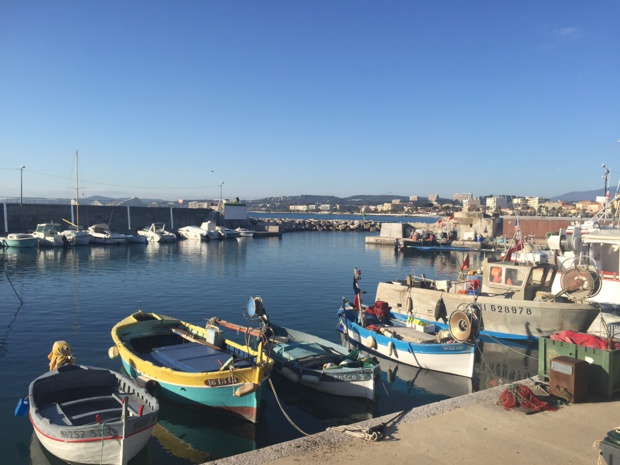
x=23, y=241
x=192, y=373
x=501, y=317
x=452, y=358
x=340, y=381
x=70, y=412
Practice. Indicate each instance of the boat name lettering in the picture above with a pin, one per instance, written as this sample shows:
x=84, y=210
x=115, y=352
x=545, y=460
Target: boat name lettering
x=93, y=433
x=221, y=381
x=355, y=377
x=508, y=309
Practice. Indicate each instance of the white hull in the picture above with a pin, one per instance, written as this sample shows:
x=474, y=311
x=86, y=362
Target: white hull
x=445, y=362
x=94, y=452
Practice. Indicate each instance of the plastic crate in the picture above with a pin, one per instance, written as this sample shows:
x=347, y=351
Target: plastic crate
x=604, y=372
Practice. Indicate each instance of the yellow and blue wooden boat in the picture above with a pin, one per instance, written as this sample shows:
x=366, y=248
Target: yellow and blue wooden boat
x=192, y=365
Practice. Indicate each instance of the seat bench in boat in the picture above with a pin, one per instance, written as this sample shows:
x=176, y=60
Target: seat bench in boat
x=85, y=411
x=193, y=357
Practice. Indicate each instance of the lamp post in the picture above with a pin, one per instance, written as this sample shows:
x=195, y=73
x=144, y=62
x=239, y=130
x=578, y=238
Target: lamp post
x=221, y=198
x=21, y=185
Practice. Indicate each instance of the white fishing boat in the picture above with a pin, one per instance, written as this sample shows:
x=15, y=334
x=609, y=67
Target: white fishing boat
x=100, y=234
x=22, y=240
x=157, y=233
x=89, y=415
x=49, y=235
x=590, y=251
x=76, y=237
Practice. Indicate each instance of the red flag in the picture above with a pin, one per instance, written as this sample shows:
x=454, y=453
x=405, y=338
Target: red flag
x=465, y=263
x=451, y=217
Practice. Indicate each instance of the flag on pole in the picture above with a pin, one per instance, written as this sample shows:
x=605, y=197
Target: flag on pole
x=451, y=217
x=465, y=265
x=516, y=224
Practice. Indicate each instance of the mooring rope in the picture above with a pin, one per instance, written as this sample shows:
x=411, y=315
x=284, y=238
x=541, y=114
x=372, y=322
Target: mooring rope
x=283, y=412
x=11, y=283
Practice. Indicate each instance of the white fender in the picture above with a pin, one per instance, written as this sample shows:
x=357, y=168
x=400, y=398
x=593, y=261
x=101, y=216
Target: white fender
x=245, y=389
x=113, y=352
x=310, y=379
x=370, y=342
x=290, y=375
x=391, y=348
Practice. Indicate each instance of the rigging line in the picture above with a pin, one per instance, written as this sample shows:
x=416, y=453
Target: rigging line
x=121, y=185
x=10, y=282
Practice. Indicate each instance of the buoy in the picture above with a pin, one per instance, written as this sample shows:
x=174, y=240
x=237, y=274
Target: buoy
x=409, y=305
x=440, y=311
x=245, y=389
x=370, y=342
x=146, y=383
x=290, y=374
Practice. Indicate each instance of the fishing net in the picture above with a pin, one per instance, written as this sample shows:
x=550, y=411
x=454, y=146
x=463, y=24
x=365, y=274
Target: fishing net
x=519, y=396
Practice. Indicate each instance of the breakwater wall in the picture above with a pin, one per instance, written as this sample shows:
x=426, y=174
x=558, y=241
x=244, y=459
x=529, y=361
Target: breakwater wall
x=24, y=218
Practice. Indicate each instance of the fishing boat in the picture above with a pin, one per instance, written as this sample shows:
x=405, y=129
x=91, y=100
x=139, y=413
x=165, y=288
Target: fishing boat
x=76, y=237
x=100, y=234
x=49, y=235
x=590, y=250
x=311, y=361
x=209, y=227
x=89, y=415
x=192, y=365
x=157, y=232
x=509, y=299
x=419, y=345
x=19, y=240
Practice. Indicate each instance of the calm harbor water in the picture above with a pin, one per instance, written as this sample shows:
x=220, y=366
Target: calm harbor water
x=78, y=294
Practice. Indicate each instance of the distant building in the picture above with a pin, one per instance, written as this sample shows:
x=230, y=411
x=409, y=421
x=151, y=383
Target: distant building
x=298, y=208
x=413, y=198
x=396, y=201
x=433, y=198
x=461, y=197
x=198, y=204
x=497, y=201
x=325, y=207
x=471, y=205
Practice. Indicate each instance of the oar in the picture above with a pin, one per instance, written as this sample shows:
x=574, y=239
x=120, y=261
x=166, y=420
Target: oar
x=187, y=336
x=236, y=327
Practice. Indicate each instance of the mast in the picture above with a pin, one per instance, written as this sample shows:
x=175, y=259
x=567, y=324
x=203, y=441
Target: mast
x=77, y=194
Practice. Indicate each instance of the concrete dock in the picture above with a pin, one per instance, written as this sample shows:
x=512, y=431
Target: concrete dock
x=471, y=430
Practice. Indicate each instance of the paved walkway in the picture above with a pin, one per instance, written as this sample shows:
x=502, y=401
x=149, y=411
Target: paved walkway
x=471, y=429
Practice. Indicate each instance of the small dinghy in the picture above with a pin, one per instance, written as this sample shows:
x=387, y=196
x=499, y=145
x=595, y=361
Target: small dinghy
x=88, y=415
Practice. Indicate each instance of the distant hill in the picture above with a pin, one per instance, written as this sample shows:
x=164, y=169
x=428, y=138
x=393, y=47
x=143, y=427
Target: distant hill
x=581, y=195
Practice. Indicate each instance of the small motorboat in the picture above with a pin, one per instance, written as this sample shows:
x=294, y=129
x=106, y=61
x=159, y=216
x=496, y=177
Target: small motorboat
x=243, y=232
x=88, y=415
x=19, y=240
x=157, y=233
x=49, y=235
x=100, y=234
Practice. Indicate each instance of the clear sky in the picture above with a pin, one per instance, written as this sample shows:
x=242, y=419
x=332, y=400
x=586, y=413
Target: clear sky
x=168, y=99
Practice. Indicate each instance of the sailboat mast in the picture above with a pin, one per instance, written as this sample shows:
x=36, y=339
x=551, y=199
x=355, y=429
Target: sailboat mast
x=77, y=194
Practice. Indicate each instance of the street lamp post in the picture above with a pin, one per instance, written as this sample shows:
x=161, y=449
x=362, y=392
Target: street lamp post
x=21, y=185
x=221, y=198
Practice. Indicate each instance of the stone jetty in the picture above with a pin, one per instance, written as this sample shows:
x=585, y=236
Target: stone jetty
x=292, y=225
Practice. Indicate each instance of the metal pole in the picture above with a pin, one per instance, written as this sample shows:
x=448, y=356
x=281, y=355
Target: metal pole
x=21, y=185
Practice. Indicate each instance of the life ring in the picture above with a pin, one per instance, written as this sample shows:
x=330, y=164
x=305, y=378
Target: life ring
x=440, y=311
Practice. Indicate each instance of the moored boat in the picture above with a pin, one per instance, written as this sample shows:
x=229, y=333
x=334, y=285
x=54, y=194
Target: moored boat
x=419, y=345
x=157, y=233
x=89, y=415
x=100, y=234
x=193, y=365
x=19, y=240
x=312, y=361
x=49, y=235
x=193, y=233
x=510, y=299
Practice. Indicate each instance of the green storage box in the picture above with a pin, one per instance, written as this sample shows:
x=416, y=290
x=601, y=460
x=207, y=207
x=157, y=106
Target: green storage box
x=604, y=373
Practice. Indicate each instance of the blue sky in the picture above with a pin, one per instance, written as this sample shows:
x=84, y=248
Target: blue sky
x=168, y=99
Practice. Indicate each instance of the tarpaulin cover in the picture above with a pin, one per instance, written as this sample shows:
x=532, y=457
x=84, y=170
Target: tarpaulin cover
x=585, y=340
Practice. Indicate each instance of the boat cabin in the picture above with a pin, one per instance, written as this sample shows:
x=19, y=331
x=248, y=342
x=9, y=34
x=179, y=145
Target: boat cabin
x=522, y=281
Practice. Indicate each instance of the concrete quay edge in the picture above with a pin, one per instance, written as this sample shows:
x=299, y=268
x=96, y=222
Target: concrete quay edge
x=333, y=437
